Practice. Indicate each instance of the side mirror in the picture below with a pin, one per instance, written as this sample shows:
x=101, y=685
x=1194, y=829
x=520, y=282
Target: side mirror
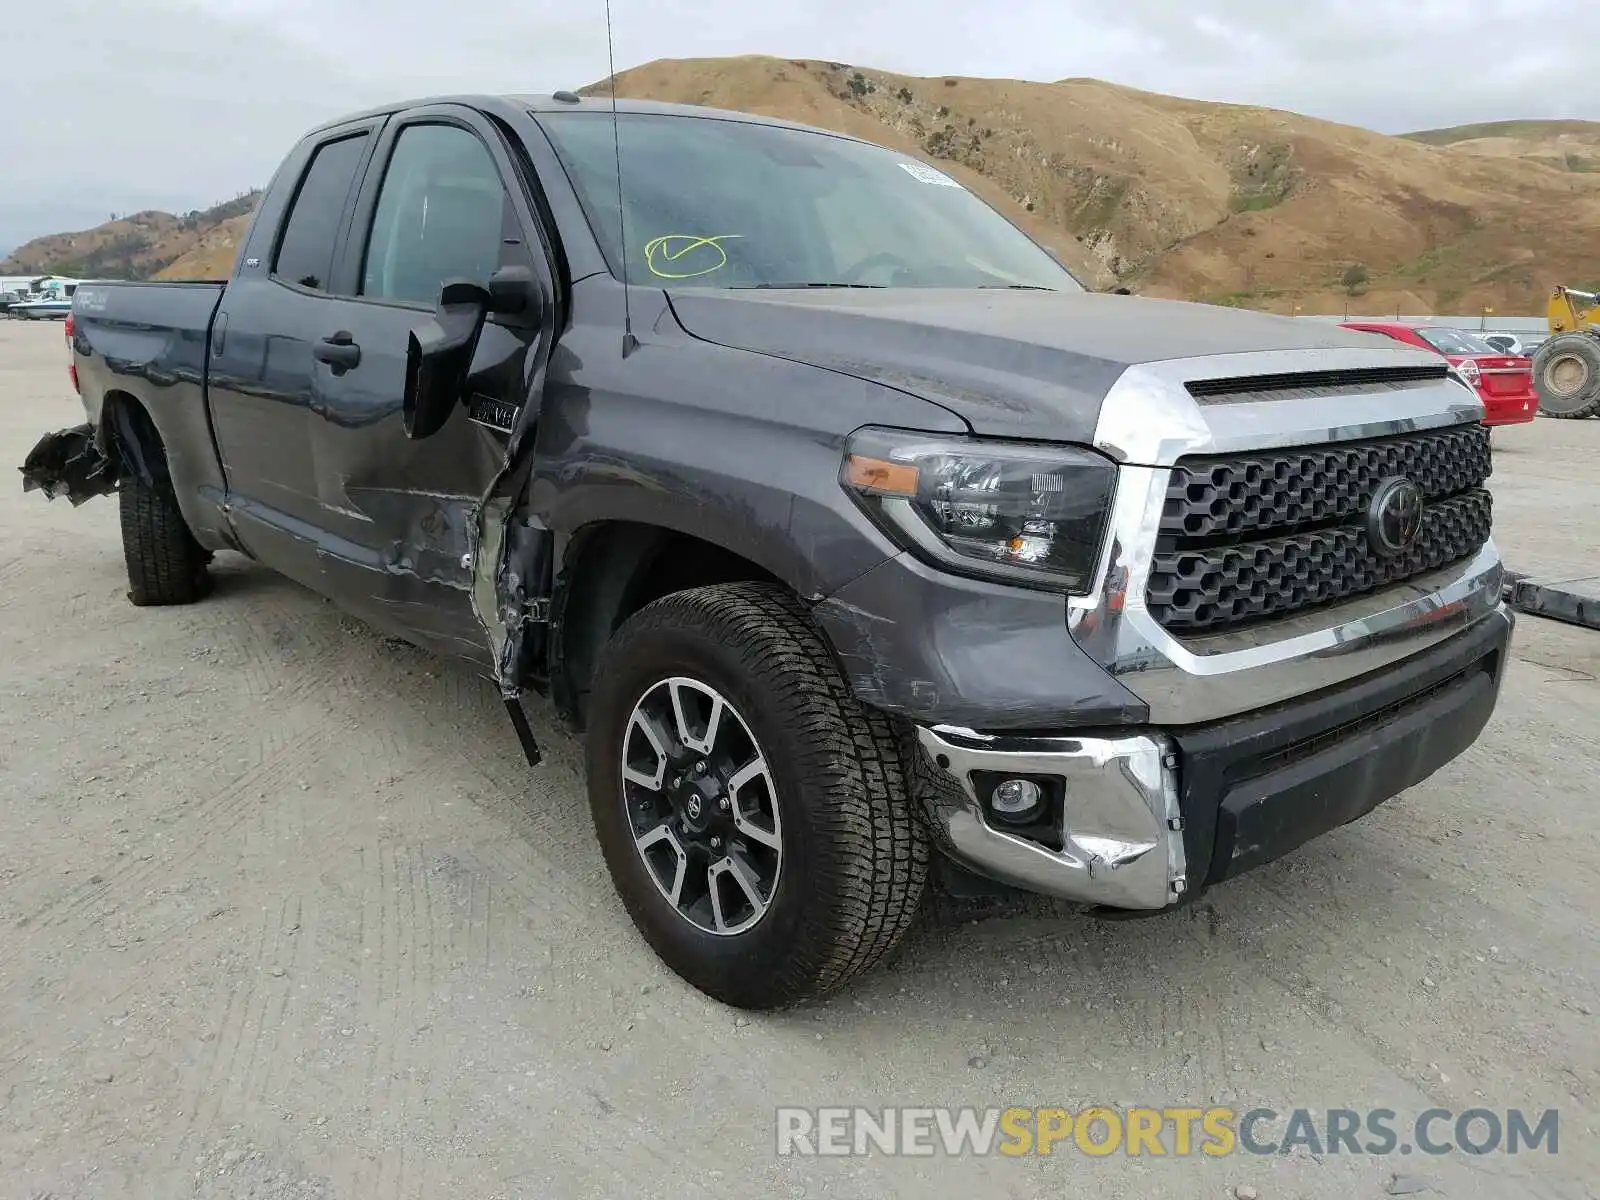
x=513, y=291
x=439, y=357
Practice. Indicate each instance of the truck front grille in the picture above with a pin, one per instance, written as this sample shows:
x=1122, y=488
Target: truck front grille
x=1248, y=537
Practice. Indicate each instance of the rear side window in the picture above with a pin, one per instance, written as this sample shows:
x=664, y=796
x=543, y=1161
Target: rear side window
x=305, y=252
x=442, y=214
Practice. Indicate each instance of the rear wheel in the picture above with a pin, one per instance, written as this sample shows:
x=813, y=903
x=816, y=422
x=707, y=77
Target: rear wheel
x=753, y=814
x=1566, y=371
x=165, y=564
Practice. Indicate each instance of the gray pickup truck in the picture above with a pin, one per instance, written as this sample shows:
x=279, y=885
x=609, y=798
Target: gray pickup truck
x=853, y=534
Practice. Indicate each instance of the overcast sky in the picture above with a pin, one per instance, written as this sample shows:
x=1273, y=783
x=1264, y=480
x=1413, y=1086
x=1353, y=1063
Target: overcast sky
x=116, y=105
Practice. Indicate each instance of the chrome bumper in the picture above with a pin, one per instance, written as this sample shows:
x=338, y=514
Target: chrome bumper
x=1121, y=826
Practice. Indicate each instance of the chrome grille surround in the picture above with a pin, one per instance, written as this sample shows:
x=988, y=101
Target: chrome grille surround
x=1149, y=421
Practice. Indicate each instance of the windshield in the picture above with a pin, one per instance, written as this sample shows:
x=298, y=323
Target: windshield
x=727, y=204
x=1456, y=341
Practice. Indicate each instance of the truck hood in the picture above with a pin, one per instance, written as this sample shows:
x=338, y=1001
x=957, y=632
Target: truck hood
x=1010, y=363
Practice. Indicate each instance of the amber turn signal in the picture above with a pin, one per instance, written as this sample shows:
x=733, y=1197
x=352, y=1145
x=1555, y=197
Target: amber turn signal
x=881, y=475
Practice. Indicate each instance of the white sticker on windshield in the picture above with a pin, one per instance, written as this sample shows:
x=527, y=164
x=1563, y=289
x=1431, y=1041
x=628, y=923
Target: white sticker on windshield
x=927, y=174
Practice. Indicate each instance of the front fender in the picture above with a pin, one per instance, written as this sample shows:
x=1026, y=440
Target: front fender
x=946, y=650
x=724, y=446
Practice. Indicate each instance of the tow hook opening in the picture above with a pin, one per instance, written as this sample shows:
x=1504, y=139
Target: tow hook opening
x=69, y=463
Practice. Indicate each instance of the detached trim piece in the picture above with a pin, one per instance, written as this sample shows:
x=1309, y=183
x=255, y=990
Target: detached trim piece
x=69, y=463
x=1575, y=601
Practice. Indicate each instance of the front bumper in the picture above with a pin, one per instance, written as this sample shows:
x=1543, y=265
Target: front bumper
x=1143, y=819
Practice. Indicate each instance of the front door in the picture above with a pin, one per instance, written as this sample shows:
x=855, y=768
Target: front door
x=444, y=200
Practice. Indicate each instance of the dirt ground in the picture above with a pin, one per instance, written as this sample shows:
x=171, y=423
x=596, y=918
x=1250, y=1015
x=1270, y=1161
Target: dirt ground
x=283, y=913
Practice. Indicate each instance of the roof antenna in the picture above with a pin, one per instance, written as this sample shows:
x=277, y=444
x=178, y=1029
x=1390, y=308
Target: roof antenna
x=629, y=342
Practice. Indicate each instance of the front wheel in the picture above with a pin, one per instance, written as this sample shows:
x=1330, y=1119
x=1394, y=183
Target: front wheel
x=752, y=812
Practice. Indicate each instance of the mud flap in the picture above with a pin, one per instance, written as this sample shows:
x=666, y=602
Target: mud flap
x=69, y=463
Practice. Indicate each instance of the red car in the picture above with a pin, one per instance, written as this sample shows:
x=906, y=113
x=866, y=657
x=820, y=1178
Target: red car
x=1504, y=381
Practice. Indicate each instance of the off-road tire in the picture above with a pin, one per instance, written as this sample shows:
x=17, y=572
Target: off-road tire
x=1584, y=402
x=855, y=854
x=165, y=564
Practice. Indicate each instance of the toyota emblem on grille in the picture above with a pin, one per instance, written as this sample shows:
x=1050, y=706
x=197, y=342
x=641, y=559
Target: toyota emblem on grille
x=1394, y=518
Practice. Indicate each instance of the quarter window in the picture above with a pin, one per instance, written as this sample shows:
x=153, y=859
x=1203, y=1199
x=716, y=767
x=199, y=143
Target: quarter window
x=305, y=252
x=442, y=214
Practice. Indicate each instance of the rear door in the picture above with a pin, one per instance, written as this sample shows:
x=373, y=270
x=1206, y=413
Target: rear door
x=265, y=376
x=447, y=198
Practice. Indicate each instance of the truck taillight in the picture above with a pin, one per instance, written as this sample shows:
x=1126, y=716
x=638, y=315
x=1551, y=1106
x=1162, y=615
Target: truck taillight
x=72, y=367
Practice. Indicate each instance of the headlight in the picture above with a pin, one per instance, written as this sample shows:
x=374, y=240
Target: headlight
x=1022, y=512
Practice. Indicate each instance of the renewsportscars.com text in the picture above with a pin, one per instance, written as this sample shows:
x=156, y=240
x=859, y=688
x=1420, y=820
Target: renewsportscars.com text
x=1162, y=1132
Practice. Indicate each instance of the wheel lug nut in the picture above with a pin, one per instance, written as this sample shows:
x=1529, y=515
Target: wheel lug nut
x=723, y=804
x=700, y=767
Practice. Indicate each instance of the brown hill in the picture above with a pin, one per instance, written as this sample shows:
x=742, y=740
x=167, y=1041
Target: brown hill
x=135, y=247
x=1226, y=203
x=212, y=253
x=1564, y=145
x=1219, y=202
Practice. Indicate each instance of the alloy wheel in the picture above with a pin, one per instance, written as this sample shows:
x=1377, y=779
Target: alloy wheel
x=702, y=806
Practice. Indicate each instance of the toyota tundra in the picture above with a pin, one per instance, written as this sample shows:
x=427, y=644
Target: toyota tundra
x=850, y=531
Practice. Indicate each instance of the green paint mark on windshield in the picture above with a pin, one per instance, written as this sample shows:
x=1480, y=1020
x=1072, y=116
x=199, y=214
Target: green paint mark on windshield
x=664, y=255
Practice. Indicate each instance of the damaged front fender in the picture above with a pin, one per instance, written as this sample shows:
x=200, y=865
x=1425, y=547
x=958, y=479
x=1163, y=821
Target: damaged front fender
x=69, y=463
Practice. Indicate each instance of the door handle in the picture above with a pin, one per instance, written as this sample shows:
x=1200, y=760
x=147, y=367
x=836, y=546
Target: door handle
x=339, y=351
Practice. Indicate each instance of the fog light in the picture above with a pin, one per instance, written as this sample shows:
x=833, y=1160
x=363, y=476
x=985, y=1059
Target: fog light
x=1016, y=799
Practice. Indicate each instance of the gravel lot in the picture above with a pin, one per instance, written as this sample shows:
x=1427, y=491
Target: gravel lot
x=283, y=913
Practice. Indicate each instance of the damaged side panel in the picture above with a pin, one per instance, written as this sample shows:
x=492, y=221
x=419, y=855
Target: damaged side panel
x=69, y=464
x=401, y=526
x=511, y=555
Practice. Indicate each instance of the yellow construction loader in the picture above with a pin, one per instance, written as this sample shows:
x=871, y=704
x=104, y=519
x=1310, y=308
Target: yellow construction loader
x=1566, y=366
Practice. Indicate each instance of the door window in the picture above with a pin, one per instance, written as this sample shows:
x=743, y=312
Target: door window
x=305, y=252
x=442, y=214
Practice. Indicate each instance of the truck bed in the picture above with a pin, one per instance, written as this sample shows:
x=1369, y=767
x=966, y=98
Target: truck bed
x=147, y=334
x=148, y=341
x=155, y=308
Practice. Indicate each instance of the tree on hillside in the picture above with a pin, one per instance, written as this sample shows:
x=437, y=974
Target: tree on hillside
x=1355, y=279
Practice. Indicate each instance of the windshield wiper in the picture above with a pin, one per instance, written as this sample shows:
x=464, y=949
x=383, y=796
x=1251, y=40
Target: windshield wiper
x=803, y=284
x=1015, y=287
